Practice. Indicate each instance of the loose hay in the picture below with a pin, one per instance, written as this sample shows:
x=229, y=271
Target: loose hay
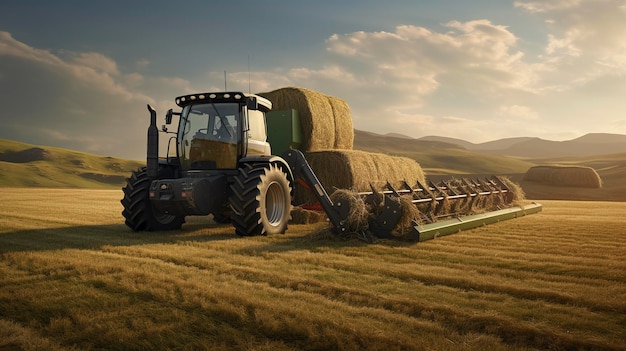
x=356, y=170
x=362, y=212
x=410, y=214
x=574, y=176
x=300, y=215
x=516, y=192
x=472, y=204
x=326, y=121
x=359, y=215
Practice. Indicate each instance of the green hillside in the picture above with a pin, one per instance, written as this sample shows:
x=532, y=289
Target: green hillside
x=26, y=165
x=456, y=161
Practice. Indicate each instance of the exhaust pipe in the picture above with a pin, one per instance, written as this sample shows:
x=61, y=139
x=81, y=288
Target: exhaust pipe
x=152, y=155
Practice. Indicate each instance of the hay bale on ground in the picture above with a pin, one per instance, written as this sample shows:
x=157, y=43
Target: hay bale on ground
x=356, y=170
x=574, y=176
x=326, y=121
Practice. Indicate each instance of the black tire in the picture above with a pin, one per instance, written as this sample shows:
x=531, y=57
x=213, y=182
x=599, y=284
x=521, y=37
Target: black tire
x=260, y=200
x=220, y=218
x=138, y=210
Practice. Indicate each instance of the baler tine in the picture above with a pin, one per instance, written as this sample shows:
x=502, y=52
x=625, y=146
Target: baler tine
x=434, y=195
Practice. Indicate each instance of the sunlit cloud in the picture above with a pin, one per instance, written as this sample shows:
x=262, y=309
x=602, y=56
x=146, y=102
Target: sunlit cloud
x=547, y=6
x=96, y=61
x=518, y=111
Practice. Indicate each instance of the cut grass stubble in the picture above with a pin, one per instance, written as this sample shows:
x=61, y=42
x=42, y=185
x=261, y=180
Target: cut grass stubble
x=529, y=283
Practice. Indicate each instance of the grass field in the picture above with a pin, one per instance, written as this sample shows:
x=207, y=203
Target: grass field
x=72, y=276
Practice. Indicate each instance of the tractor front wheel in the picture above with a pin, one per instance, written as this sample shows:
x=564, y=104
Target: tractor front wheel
x=138, y=210
x=260, y=200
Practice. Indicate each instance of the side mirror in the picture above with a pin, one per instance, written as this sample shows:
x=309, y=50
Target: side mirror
x=252, y=103
x=168, y=116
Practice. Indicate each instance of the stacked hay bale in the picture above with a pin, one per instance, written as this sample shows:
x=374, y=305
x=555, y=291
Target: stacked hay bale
x=328, y=137
x=356, y=170
x=326, y=120
x=575, y=176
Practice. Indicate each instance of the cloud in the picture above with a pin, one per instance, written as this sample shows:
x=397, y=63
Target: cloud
x=468, y=79
x=391, y=78
x=547, y=6
x=475, y=71
x=80, y=101
x=592, y=32
x=518, y=112
x=418, y=57
x=95, y=61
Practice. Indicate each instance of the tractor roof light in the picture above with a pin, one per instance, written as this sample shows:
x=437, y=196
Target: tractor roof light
x=210, y=98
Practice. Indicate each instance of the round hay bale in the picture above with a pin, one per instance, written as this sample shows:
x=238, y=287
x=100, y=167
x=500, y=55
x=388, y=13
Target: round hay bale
x=344, y=130
x=356, y=170
x=326, y=121
x=574, y=176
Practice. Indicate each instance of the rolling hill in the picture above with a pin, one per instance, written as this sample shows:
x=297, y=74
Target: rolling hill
x=610, y=167
x=439, y=156
x=26, y=165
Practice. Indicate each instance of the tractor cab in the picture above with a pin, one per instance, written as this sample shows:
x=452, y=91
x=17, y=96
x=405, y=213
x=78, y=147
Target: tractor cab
x=217, y=129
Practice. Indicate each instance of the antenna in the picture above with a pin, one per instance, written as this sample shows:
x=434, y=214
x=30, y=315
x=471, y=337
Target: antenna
x=249, y=92
x=225, y=89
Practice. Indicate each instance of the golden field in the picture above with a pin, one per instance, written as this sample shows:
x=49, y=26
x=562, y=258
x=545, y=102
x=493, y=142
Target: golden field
x=72, y=276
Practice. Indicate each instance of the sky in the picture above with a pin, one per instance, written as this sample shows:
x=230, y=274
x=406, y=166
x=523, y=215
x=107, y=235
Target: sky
x=78, y=74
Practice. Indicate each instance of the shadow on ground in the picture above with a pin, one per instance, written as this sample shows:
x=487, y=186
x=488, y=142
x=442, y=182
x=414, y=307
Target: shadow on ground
x=95, y=236
x=197, y=229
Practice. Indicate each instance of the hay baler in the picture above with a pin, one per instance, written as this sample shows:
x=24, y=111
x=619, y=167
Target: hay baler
x=222, y=164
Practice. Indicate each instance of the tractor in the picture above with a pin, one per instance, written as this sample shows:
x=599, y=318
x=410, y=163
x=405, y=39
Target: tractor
x=223, y=166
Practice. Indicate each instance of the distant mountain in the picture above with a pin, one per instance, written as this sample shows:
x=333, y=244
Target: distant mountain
x=462, y=143
x=601, y=138
x=392, y=142
x=586, y=145
x=528, y=147
x=499, y=144
x=502, y=144
x=397, y=135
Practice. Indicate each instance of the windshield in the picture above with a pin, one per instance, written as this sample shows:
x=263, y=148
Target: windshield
x=208, y=136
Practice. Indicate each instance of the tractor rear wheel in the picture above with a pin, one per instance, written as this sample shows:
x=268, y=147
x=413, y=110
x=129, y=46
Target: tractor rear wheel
x=260, y=200
x=138, y=210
